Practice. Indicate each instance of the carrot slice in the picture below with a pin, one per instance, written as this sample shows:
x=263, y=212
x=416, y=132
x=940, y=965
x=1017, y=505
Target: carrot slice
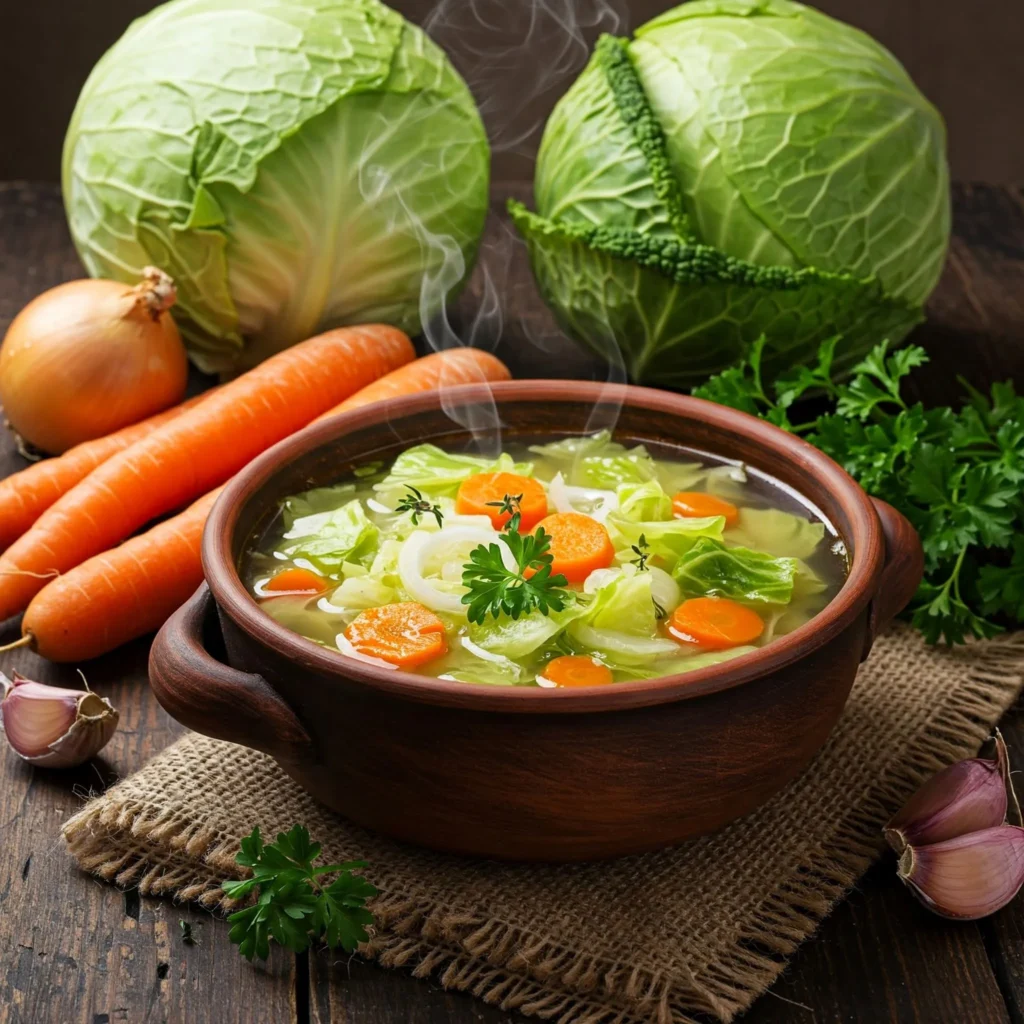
x=576, y=670
x=579, y=545
x=478, y=493
x=404, y=634
x=700, y=505
x=296, y=581
x=714, y=623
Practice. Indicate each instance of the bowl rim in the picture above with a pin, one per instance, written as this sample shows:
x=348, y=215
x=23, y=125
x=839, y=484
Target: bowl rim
x=233, y=599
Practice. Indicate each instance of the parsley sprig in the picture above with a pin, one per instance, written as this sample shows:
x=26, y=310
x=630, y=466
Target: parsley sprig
x=294, y=904
x=493, y=588
x=414, y=503
x=956, y=474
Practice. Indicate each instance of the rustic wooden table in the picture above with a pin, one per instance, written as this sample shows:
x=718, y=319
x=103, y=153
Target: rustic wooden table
x=75, y=950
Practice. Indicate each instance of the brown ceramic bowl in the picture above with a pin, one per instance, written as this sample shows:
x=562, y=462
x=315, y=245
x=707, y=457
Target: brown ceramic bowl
x=529, y=773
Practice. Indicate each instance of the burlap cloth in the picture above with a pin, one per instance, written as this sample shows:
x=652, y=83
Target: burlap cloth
x=704, y=928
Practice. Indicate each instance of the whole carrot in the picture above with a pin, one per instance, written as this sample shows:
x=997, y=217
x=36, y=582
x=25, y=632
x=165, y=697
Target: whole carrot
x=26, y=495
x=196, y=451
x=122, y=594
x=440, y=370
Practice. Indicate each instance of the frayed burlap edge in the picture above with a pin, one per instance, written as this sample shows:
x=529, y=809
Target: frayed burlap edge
x=133, y=844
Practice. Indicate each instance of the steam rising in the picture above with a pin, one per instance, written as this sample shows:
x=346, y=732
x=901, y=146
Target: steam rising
x=518, y=57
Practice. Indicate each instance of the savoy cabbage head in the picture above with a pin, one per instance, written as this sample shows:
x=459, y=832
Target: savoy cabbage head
x=738, y=168
x=293, y=164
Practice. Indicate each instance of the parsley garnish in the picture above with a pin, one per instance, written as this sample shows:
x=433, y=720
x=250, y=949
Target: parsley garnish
x=955, y=474
x=493, y=588
x=415, y=503
x=293, y=906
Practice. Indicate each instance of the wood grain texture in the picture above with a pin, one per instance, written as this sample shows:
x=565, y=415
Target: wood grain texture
x=74, y=950
x=349, y=991
x=1003, y=933
x=877, y=958
x=882, y=957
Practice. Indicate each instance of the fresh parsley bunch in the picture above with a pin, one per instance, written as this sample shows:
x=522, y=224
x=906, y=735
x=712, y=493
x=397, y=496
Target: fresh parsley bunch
x=294, y=905
x=955, y=474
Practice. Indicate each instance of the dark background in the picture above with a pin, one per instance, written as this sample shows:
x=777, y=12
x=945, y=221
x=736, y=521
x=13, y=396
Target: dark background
x=967, y=57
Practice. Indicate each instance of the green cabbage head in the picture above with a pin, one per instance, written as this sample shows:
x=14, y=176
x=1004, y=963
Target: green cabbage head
x=738, y=168
x=293, y=164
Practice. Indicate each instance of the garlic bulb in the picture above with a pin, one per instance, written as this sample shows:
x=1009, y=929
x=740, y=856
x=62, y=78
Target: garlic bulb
x=968, y=877
x=957, y=853
x=52, y=726
x=965, y=797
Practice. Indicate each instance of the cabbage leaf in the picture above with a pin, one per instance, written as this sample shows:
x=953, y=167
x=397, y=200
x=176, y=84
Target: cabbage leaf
x=607, y=472
x=568, y=450
x=776, y=532
x=356, y=593
x=329, y=539
x=621, y=622
x=438, y=473
x=739, y=168
x=666, y=540
x=680, y=311
x=519, y=638
x=294, y=165
x=673, y=666
x=316, y=501
x=643, y=501
x=751, y=577
x=625, y=605
x=596, y=461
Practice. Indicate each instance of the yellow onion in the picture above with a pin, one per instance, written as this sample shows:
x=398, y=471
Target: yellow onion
x=89, y=357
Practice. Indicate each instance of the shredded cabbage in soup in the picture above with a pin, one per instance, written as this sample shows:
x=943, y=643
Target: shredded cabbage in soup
x=574, y=563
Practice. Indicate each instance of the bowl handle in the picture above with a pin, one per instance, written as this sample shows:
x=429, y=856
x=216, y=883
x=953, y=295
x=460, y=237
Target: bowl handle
x=901, y=571
x=213, y=698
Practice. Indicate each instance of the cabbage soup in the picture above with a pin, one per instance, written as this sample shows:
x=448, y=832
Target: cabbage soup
x=578, y=562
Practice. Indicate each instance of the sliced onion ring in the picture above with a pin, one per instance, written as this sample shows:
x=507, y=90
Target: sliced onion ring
x=624, y=645
x=417, y=550
x=664, y=590
x=562, y=496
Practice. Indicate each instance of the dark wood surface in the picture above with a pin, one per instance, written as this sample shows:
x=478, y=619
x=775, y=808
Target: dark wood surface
x=73, y=949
